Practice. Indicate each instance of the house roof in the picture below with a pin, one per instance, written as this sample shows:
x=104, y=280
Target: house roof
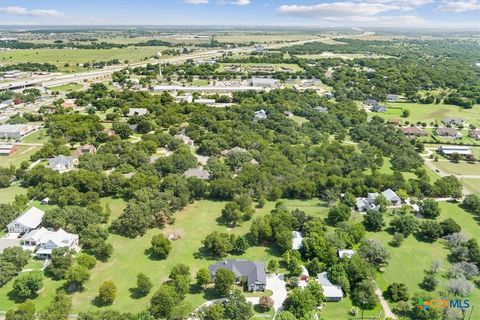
x=346, y=253
x=446, y=131
x=137, y=112
x=297, y=239
x=330, y=290
x=389, y=194
x=30, y=218
x=253, y=271
x=321, y=109
x=197, y=172
x=413, y=131
x=60, y=238
x=61, y=160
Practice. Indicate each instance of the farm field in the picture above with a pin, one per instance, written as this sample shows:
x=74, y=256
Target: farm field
x=346, y=56
x=461, y=168
x=61, y=57
x=67, y=87
x=23, y=154
x=431, y=112
x=38, y=136
x=263, y=38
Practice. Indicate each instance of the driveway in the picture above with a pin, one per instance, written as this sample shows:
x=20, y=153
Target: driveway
x=276, y=284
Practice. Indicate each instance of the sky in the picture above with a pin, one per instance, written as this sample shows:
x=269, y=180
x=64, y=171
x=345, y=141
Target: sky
x=312, y=13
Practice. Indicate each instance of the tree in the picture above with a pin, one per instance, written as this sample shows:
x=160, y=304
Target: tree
x=450, y=226
x=285, y=315
x=299, y=302
x=163, y=301
x=232, y=214
x=161, y=246
x=203, y=277
x=58, y=309
x=213, y=312
x=61, y=261
x=144, y=284
x=397, y=239
x=430, y=230
x=86, y=260
x=397, y=292
x=374, y=252
x=273, y=266
x=339, y=213
x=448, y=186
x=224, y=280
x=236, y=307
x=364, y=296
x=430, y=209
x=24, y=311
x=17, y=256
x=107, y=292
x=430, y=282
x=240, y=245
x=122, y=129
x=76, y=276
x=373, y=220
x=27, y=284
x=405, y=224
x=471, y=203
x=218, y=244
x=460, y=287
x=266, y=303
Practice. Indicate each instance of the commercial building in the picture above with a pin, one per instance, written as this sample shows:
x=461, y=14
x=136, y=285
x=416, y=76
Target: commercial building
x=16, y=131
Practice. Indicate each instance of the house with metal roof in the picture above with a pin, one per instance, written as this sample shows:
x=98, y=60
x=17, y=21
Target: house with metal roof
x=331, y=292
x=27, y=221
x=391, y=196
x=253, y=272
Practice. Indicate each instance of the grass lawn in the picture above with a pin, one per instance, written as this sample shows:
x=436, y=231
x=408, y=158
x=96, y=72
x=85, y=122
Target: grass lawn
x=431, y=112
x=39, y=136
x=129, y=257
x=7, y=195
x=472, y=184
x=299, y=120
x=339, y=310
x=67, y=87
x=277, y=67
x=461, y=168
x=23, y=154
x=60, y=57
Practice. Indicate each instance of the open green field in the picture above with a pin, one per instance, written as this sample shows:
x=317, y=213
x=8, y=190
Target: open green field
x=431, y=112
x=60, y=57
x=472, y=184
x=264, y=38
x=39, y=136
x=277, y=67
x=7, y=195
x=461, y=168
x=23, y=154
x=67, y=87
x=408, y=262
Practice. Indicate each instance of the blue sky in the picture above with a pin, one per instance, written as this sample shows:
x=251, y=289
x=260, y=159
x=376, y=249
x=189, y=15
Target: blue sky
x=319, y=13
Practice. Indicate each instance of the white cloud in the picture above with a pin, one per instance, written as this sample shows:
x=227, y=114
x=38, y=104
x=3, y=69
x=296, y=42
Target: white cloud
x=459, y=6
x=236, y=2
x=19, y=11
x=338, y=10
x=196, y=1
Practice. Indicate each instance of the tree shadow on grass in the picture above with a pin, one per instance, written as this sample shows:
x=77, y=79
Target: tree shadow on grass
x=211, y=294
x=12, y=296
x=203, y=254
x=152, y=255
x=135, y=293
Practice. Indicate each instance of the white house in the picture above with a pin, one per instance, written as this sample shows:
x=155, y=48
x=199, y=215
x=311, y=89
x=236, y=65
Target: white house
x=45, y=241
x=260, y=115
x=137, y=112
x=368, y=203
x=26, y=222
x=332, y=292
x=449, y=150
x=297, y=239
x=391, y=196
x=346, y=253
x=62, y=163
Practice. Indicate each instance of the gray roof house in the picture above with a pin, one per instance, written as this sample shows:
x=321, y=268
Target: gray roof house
x=253, y=272
x=137, y=112
x=368, y=203
x=62, y=163
x=197, y=172
x=27, y=221
x=379, y=108
x=260, y=115
x=391, y=196
x=371, y=102
x=454, y=121
x=332, y=292
x=321, y=109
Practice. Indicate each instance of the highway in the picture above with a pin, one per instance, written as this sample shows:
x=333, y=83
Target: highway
x=57, y=80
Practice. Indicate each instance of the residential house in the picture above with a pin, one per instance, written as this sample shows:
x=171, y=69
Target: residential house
x=345, y=253
x=391, y=196
x=331, y=292
x=370, y=102
x=297, y=239
x=454, y=122
x=392, y=98
x=413, y=132
x=197, y=172
x=260, y=115
x=137, y=112
x=368, y=203
x=448, y=133
x=253, y=272
x=329, y=95
x=27, y=221
x=234, y=150
x=395, y=121
x=321, y=109
x=185, y=139
x=187, y=98
x=85, y=149
x=44, y=241
x=474, y=134
x=62, y=163
x=69, y=104
x=7, y=149
x=379, y=108
x=449, y=150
